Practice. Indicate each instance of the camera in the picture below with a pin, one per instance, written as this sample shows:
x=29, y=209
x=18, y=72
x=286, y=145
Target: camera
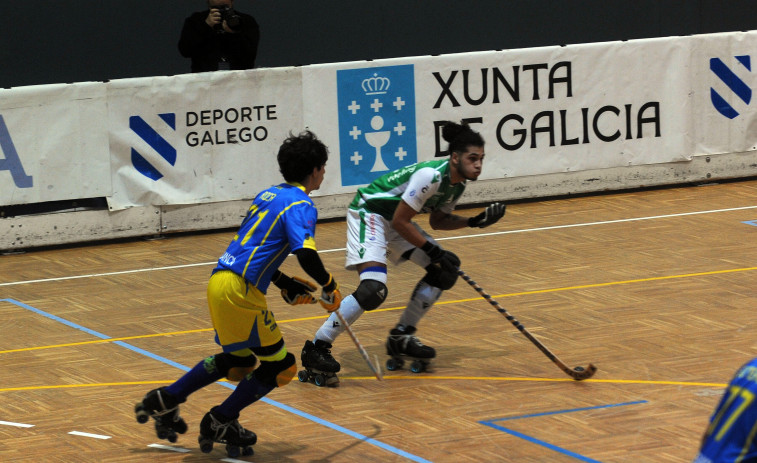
x=233, y=20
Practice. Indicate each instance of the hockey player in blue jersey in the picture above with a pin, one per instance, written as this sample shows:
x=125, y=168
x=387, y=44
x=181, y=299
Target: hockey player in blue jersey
x=730, y=436
x=280, y=221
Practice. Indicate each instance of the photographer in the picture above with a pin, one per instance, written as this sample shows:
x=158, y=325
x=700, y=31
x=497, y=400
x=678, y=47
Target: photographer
x=220, y=38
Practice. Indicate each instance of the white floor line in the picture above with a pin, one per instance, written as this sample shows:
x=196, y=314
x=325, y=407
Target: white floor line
x=477, y=235
x=168, y=447
x=18, y=425
x=86, y=434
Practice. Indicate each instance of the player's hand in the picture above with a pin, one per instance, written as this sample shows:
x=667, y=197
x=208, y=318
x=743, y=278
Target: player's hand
x=446, y=259
x=331, y=298
x=491, y=215
x=295, y=290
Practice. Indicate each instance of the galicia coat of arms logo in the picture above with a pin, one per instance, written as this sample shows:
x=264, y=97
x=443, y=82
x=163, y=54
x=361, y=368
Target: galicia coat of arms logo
x=377, y=131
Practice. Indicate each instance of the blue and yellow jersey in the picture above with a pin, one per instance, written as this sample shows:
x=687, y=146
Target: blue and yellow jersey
x=730, y=437
x=280, y=220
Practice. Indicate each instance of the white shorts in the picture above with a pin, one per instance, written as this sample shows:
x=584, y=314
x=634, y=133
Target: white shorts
x=371, y=238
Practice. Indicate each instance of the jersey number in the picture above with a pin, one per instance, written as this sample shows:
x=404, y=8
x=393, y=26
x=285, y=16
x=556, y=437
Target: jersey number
x=254, y=226
x=734, y=392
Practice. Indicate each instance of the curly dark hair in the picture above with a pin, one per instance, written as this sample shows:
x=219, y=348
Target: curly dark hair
x=299, y=154
x=460, y=136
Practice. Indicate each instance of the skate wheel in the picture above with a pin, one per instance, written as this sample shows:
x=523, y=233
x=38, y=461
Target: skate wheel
x=394, y=364
x=320, y=380
x=232, y=451
x=206, y=445
x=303, y=376
x=172, y=437
x=142, y=415
x=247, y=451
x=417, y=366
x=162, y=432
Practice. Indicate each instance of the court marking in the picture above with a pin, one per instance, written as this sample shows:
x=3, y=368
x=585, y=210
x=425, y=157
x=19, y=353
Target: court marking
x=547, y=445
x=280, y=405
x=438, y=303
x=506, y=232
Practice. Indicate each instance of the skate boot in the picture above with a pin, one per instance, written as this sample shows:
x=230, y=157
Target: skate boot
x=402, y=344
x=164, y=409
x=320, y=366
x=215, y=427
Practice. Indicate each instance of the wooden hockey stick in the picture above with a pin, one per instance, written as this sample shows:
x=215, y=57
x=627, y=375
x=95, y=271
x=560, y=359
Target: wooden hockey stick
x=577, y=373
x=377, y=368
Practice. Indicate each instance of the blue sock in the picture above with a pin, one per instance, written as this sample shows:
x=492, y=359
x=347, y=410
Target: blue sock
x=249, y=390
x=201, y=375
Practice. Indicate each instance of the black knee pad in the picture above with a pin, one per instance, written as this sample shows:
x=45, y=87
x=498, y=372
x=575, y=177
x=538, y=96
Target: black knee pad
x=370, y=294
x=231, y=366
x=440, y=278
x=278, y=373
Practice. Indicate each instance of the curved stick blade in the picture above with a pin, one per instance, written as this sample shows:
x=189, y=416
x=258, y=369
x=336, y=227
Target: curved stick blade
x=581, y=373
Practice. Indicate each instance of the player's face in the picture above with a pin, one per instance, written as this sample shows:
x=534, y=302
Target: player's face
x=318, y=175
x=468, y=165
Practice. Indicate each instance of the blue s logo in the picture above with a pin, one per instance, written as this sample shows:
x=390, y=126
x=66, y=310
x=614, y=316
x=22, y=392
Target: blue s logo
x=734, y=83
x=156, y=142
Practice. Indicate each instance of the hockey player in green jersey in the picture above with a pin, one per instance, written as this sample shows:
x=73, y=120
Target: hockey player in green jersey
x=380, y=227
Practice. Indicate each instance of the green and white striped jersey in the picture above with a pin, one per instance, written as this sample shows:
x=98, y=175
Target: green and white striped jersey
x=425, y=186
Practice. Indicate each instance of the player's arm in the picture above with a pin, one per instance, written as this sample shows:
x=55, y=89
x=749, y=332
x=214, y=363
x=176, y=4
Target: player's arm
x=311, y=263
x=440, y=220
x=402, y=223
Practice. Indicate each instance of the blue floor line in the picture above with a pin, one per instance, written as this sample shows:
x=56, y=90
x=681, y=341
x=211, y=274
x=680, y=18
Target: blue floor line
x=280, y=405
x=555, y=448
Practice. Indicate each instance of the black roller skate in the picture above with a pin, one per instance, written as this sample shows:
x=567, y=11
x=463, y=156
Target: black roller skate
x=215, y=427
x=164, y=409
x=320, y=366
x=402, y=344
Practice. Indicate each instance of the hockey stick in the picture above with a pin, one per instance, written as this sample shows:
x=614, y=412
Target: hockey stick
x=577, y=373
x=377, y=368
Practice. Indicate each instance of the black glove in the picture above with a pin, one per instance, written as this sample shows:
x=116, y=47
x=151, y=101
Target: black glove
x=295, y=290
x=446, y=259
x=490, y=215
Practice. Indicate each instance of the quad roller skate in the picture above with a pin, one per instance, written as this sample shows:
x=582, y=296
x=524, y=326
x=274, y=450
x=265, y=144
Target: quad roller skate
x=320, y=366
x=216, y=428
x=164, y=409
x=401, y=345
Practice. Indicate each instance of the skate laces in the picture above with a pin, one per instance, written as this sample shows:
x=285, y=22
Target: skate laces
x=221, y=428
x=165, y=409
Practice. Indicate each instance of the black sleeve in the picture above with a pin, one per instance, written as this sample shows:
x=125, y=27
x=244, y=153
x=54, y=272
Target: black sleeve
x=312, y=265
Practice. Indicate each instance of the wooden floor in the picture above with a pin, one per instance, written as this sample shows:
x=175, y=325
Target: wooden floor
x=656, y=288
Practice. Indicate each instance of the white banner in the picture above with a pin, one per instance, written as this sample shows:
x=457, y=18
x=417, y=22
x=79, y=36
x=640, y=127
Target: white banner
x=540, y=110
x=53, y=143
x=199, y=138
x=724, y=116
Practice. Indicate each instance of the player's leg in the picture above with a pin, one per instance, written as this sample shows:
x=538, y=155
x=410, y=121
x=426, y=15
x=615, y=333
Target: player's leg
x=402, y=340
x=366, y=253
x=243, y=323
x=220, y=424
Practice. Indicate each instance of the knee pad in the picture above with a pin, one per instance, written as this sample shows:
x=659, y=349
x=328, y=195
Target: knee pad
x=278, y=373
x=439, y=277
x=370, y=294
x=231, y=366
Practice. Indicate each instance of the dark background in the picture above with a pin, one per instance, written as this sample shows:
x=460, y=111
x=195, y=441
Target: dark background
x=55, y=41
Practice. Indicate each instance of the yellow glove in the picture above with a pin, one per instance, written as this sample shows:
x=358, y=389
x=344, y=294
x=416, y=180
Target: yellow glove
x=296, y=290
x=331, y=298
